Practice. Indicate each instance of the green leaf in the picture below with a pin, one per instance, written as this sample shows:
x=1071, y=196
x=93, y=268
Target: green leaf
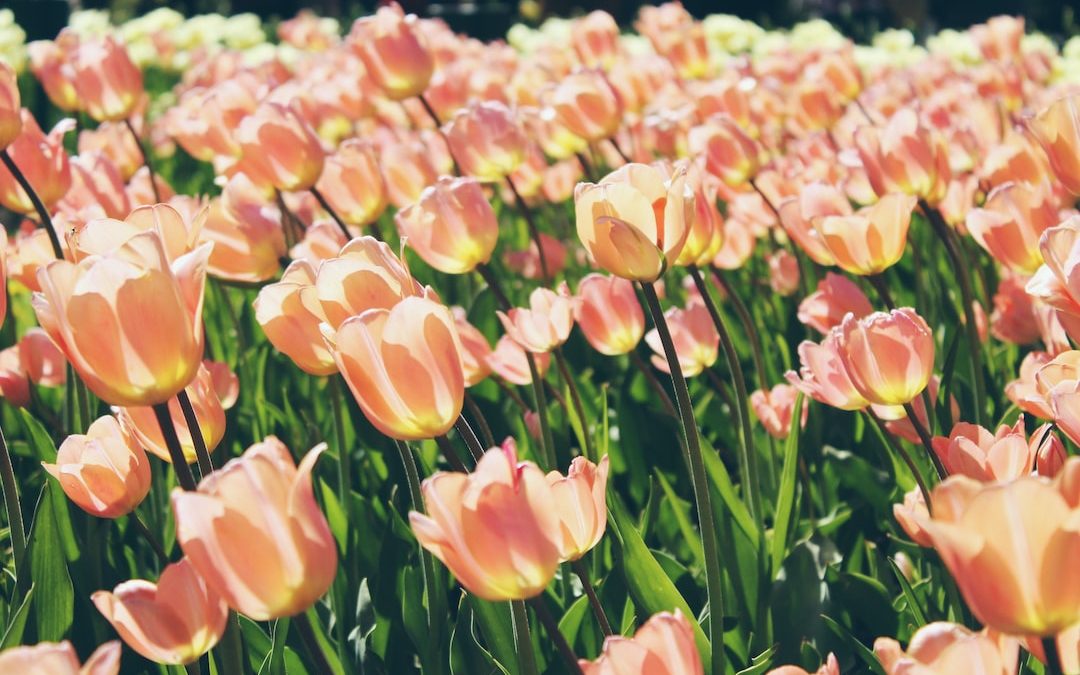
x=55, y=597
x=14, y=632
x=680, y=508
x=275, y=659
x=786, y=499
x=859, y=648
x=909, y=595
x=467, y=655
x=762, y=661
x=44, y=450
x=498, y=632
x=721, y=481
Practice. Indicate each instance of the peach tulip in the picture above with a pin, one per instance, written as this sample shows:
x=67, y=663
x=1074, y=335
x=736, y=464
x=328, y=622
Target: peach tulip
x=1013, y=318
x=664, y=645
x=1010, y=223
x=96, y=186
x=1058, y=129
x=178, y=235
x=942, y=648
x=260, y=501
x=365, y=275
x=609, y=314
x=836, y=295
x=114, y=140
x=509, y=360
x=972, y=451
x=774, y=408
x=107, y=83
x=279, y=149
x=634, y=223
x=823, y=376
x=248, y=245
x=173, y=621
x=830, y=667
x=475, y=349
x=873, y=239
x=595, y=38
x=352, y=183
x=104, y=471
x=128, y=321
x=587, y=105
x=888, y=356
x=393, y=51
x=580, y=498
x=783, y=272
x=898, y=422
x=41, y=360
x=495, y=529
x=545, y=324
x=527, y=262
x=404, y=367
x=730, y=153
x=50, y=658
x=1028, y=393
x=1056, y=283
x=48, y=59
x=10, y=106
x=407, y=169
x=904, y=156
x=798, y=216
x=705, y=234
x=696, y=341
x=1050, y=455
x=452, y=227
x=289, y=312
x=911, y=515
x=1011, y=548
x=42, y=160
x=14, y=384
x=487, y=140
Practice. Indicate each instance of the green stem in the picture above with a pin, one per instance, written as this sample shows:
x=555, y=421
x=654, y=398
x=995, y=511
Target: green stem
x=451, y=455
x=311, y=643
x=480, y=420
x=476, y=449
x=231, y=647
x=899, y=449
x=696, y=462
x=575, y=399
x=658, y=389
x=145, y=159
x=522, y=642
x=1053, y=656
x=534, y=232
x=928, y=443
x=176, y=454
x=547, y=449
x=555, y=635
x=748, y=325
x=14, y=513
x=202, y=453
x=336, y=404
x=319, y=197
x=35, y=199
x=882, y=288
x=148, y=536
x=598, y=610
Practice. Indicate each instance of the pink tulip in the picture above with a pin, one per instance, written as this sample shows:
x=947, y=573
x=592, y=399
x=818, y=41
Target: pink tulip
x=835, y=296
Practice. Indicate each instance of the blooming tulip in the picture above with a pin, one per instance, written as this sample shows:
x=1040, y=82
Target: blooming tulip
x=634, y=222
x=352, y=183
x=107, y=83
x=509, y=360
x=664, y=645
x=942, y=648
x=911, y=515
x=475, y=349
x=289, y=312
x=836, y=295
x=96, y=186
x=609, y=314
x=487, y=140
x=830, y=667
x=695, y=338
x=545, y=325
x=798, y=216
x=595, y=38
x=128, y=322
x=580, y=498
x=873, y=239
x=366, y=275
x=1010, y=223
x=495, y=529
x=174, y=621
x=259, y=502
x=48, y=59
x=43, y=162
x=10, y=105
x=972, y=451
x=889, y=356
x=1056, y=282
x=1058, y=129
x=1013, y=318
x=774, y=408
x=404, y=367
x=40, y=359
x=783, y=272
x=407, y=169
x=452, y=226
x=730, y=153
x=280, y=149
x=527, y=262
x=50, y=658
x=248, y=245
x=823, y=376
x=394, y=55
x=904, y=156
x=587, y=105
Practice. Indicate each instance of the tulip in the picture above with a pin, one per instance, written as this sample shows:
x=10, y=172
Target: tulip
x=545, y=325
x=115, y=141
x=48, y=59
x=1013, y=318
x=104, y=471
x=1068, y=642
x=609, y=314
x=404, y=367
x=911, y=515
x=889, y=356
x=580, y=498
x=830, y=667
x=43, y=162
x=177, y=235
x=260, y=501
x=775, y=407
x=873, y=239
x=129, y=323
x=783, y=272
x=352, y=183
x=730, y=153
x=634, y=222
x=452, y=227
x=407, y=170
x=203, y=121
x=107, y=83
x=1011, y=548
x=510, y=362
x=10, y=106
x=246, y=249
x=695, y=338
x=97, y=186
x=1050, y=453
x=527, y=262
x=50, y=658
x=706, y=225
x=279, y=149
x=664, y=645
x=587, y=105
x=1058, y=129
x=1025, y=391
x=141, y=422
x=495, y=529
x=1010, y=223
x=366, y=275
x=798, y=216
x=41, y=360
x=595, y=38
x=836, y=295
x=475, y=349
x=904, y=156
x=14, y=384
x=823, y=376
x=289, y=312
x=487, y=140
x=972, y=451
x=898, y=422
x=394, y=55
x=942, y=648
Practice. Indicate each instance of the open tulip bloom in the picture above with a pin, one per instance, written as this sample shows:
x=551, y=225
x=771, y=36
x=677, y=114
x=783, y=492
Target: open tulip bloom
x=662, y=344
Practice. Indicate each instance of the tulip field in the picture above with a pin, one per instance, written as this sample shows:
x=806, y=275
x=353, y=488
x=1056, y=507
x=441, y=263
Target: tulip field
x=683, y=347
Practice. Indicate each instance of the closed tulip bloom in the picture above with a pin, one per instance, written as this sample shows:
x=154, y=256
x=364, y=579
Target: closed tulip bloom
x=634, y=222
x=487, y=140
x=836, y=295
x=96, y=186
x=830, y=667
x=587, y=105
x=107, y=83
x=260, y=501
x=972, y=451
x=664, y=645
x=799, y=216
x=595, y=38
x=407, y=170
x=452, y=227
x=942, y=648
x=174, y=621
x=289, y=312
x=510, y=362
x=246, y=249
x=129, y=322
x=1050, y=454
x=1026, y=391
x=495, y=529
x=873, y=239
x=41, y=360
x=10, y=106
x=141, y=423
x=889, y=356
x=911, y=515
x=393, y=52
x=1057, y=283
x=50, y=658
x=1064, y=400
x=48, y=59
x=545, y=324
x=352, y=183
x=904, y=156
x=366, y=275
x=14, y=384
x=1013, y=318
x=1010, y=223
x=705, y=225
x=730, y=153
x=475, y=349
x=609, y=314
x=1011, y=547
x=279, y=148
x=580, y=498
x=695, y=338
x=774, y=408
x=823, y=376
x=103, y=472
x=783, y=272
x=43, y=162
x=1058, y=129
x=403, y=365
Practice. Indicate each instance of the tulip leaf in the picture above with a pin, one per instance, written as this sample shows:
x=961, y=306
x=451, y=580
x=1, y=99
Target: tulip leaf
x=55, y=598
x=496, y=627
x=761, y=662
x=274, y=664
x=467, y=655
x=859, y=648
x=786, y=499
x=721, y=481
x=909, y=595
x=680, y=508
x=17, y=624
x=45, y=450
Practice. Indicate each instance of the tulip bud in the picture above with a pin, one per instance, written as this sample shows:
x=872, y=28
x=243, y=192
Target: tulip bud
x=10, y=106
x=43, y=162
x=942, y=648
x=595, y=38
x=774, y=408
x=487, y=140
x=510, y=362
x=730, y=154
x=280, y=149
x=545, y=325
x=50, y=658
x=872, y=240
x=783, y=272
x=889, y=356
x=904, y=156
x=1050, y=452
x=580, y=498
x=107, y=83
x=394, y=55
x=695, y=338
x=260, y=501
x=587, y=105
x=452, y=227
x=609, y=314
x=830, y=667
x=351, y=182
x=664, y=645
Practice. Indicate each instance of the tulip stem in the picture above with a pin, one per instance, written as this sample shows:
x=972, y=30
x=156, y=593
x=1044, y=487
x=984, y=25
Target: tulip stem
x=748, y=325
x=898, y=448
x=658, y=388
x=534, y=232
x=555, y=635
x=601, y=617
x=513, y=395
x=35, y=199
x=206, y=465
x=1053, y=656
x=927, y=441
x=231, y=648
x=522, y=642
x=540, y=402
x=751, y=480
x=496, y=289
x=319, y=197
x=307, y=635
x=586, y=168
x=14, y=513
x=481, y=421
x=176, y=454
x=148, y=536
x=145, y=159
x=878, y=282
x=618, y=149
x=960, y=269
x=579, y=409
x=469, y=436
x=438, y=127
x=696, y=462
x=765, y=198
x=447, y=449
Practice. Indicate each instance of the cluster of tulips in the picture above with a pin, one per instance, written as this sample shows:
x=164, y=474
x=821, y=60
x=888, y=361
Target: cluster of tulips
x=379, y=210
